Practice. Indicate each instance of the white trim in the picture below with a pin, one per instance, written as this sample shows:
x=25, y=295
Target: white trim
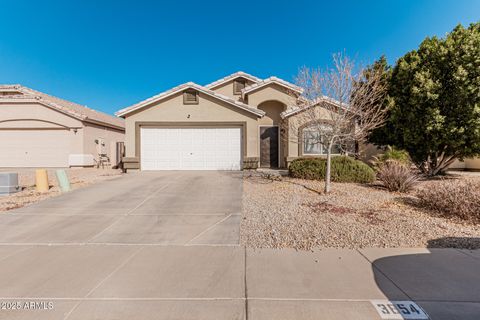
x=260, y=149
x=182, y=87
x=239, y=74
x=271, y=80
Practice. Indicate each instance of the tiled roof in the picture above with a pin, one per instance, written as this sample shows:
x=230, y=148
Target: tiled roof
x=309, y=104
x=270, y=80
x=78, y=111
x=195, y=86
x=259, y=83
x=233, y=76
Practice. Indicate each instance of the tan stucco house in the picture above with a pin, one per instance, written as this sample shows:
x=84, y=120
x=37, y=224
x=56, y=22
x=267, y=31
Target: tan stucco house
x=39, y=130
x=471, y=164
x=234, y=123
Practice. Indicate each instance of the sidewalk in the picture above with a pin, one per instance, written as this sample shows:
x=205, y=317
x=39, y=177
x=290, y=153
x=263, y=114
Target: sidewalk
x=220, y=282
x=340, y=284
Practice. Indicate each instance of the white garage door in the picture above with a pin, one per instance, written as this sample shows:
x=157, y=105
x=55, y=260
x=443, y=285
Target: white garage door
x=34, y=148
x=190, y=148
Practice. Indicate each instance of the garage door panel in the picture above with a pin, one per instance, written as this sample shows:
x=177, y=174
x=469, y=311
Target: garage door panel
x=190, y=148
x=34, y=148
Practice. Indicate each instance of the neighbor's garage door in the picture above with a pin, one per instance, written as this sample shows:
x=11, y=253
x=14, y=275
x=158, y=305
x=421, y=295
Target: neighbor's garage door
x=190, y=148
x=34, y=148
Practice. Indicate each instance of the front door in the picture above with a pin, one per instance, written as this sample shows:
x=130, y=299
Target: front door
x=269, y=147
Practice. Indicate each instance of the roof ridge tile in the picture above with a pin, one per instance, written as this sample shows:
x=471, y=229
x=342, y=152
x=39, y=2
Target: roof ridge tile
x=232, y=76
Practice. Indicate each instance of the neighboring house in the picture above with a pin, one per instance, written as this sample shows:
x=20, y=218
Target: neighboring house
x=467, y=164
x=38, y=130
x=237, y=122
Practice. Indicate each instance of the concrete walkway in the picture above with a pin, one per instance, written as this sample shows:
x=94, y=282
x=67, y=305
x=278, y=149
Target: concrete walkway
x=165, y=246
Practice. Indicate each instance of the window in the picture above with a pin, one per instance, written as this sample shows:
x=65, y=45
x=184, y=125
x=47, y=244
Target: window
x=313, y=144
x=238, y=86
x=190, y=97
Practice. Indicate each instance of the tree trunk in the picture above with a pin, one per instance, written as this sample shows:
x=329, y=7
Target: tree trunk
x=329, y=166
x=435, y=165
x=443, y=164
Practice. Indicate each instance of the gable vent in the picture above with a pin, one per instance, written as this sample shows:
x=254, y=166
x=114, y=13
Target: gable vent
x=10, y=93
x=190, y=97
x=238, y=86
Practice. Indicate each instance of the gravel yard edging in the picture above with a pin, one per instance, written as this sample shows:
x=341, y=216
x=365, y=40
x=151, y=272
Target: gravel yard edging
x=282, y=212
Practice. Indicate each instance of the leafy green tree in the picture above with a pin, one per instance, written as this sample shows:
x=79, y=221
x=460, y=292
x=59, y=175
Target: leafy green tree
x=436, y=101
x=382, y=69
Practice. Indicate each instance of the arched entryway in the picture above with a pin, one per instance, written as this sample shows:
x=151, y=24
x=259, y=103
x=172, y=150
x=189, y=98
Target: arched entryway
x=270, y=140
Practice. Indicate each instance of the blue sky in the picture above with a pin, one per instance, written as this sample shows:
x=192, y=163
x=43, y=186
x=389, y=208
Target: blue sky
x=110, y=54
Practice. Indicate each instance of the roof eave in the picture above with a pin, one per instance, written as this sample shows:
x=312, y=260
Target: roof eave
x=33, y=96
x=123, y=112
x=189, y=85
x=289, y=113
x=44, y=103
x=104, y=124
x=254, y=87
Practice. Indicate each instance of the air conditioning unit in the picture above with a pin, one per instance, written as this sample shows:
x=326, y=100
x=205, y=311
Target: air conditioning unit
x=9, y=183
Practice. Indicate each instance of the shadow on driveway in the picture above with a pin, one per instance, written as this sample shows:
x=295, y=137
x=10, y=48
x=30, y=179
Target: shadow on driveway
x=443, y=282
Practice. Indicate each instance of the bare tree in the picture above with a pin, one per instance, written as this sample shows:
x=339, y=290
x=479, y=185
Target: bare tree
x=338, y=107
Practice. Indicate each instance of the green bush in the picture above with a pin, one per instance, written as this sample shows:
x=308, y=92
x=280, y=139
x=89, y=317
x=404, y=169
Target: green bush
x=344, y=169
x=392, y=154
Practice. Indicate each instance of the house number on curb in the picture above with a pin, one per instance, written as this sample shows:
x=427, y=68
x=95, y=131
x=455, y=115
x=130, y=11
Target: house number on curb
x=393, y=310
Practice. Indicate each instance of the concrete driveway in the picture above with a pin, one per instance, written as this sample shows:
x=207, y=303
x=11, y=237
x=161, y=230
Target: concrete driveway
x=157, y=208
x=156, y=245
x=165, y=246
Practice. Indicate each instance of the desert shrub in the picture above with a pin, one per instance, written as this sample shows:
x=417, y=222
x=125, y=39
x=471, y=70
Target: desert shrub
x=396, y=176
x=392, y=154
x=459, y=198
x=344, y=169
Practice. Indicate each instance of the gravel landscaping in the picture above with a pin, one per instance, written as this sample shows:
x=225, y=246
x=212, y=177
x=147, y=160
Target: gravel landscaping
x=78, y=178
x=294, y=213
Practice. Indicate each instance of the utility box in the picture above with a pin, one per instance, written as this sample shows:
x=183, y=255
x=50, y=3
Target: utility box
x=9, y=183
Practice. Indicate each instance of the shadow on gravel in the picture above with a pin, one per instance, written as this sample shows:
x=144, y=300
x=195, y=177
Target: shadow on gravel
x=306, y=187
x=410, y=201
x=455, y=242
x=266, y=178
x=444, y=283
x=258, y=179
x=417, y=204
x=374, y=185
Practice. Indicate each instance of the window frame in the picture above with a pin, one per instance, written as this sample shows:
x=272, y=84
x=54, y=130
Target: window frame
x=322, y=146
